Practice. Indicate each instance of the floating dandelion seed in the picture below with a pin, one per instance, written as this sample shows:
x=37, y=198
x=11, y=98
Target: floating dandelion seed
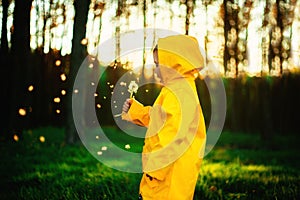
x=16, y=138
x=42, y=139
x=95, y=94
x=98, y=105
x=99, y=153
x=57, y=63
x=92, y=83
x=58, y=111
x=123, y=83
x=56, y=99
x=97, y=137
x=132, y=88
x=127, y=146
x=84, y=41
x=91, y=65
x=30, y=88
x=111, y=86
x=22, y=112
x=63, y=77
x=146, y=90
x=76, y=91
x=104, y=97
x=104, y=148
x=63, y=92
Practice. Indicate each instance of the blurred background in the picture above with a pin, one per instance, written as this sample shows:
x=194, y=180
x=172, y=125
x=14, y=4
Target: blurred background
x=255, y=45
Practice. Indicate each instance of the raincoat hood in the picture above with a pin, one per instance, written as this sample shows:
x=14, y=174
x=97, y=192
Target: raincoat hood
x=185, y=60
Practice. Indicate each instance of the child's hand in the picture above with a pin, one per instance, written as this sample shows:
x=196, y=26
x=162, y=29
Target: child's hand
x=127, y=105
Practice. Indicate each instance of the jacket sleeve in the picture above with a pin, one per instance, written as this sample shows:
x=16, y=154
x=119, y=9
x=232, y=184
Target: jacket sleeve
x=137, y=114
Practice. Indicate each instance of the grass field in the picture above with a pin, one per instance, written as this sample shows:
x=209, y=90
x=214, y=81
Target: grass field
x=241, y=166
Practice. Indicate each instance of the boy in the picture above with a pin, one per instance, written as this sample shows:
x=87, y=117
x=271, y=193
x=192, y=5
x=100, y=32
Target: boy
x=176, y=133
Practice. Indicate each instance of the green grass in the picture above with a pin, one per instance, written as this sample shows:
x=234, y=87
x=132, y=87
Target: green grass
x=241, y=166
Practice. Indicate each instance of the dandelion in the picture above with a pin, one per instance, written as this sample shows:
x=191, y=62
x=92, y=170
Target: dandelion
x=132, y=88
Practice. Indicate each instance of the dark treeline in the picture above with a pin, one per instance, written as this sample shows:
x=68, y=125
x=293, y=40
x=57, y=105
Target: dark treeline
x=265, y=105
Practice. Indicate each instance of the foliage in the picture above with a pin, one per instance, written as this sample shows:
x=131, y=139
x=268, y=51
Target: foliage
x=241, y=166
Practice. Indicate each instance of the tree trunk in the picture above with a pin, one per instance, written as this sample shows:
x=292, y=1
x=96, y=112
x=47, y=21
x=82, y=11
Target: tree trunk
x=4, y=61
x=226, y=30
x=78, y=54
x=189, y=10
x=4, y=42
x=19, y=71
x=280, y=26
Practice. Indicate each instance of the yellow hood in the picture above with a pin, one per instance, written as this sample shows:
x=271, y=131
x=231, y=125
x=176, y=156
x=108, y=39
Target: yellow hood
x=185, y=59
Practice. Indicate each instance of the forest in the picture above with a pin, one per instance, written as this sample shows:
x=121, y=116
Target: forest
x=254, y=45
x=43, y=44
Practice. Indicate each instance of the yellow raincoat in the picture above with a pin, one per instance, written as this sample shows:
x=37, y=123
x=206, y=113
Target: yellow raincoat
x=176, y=134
